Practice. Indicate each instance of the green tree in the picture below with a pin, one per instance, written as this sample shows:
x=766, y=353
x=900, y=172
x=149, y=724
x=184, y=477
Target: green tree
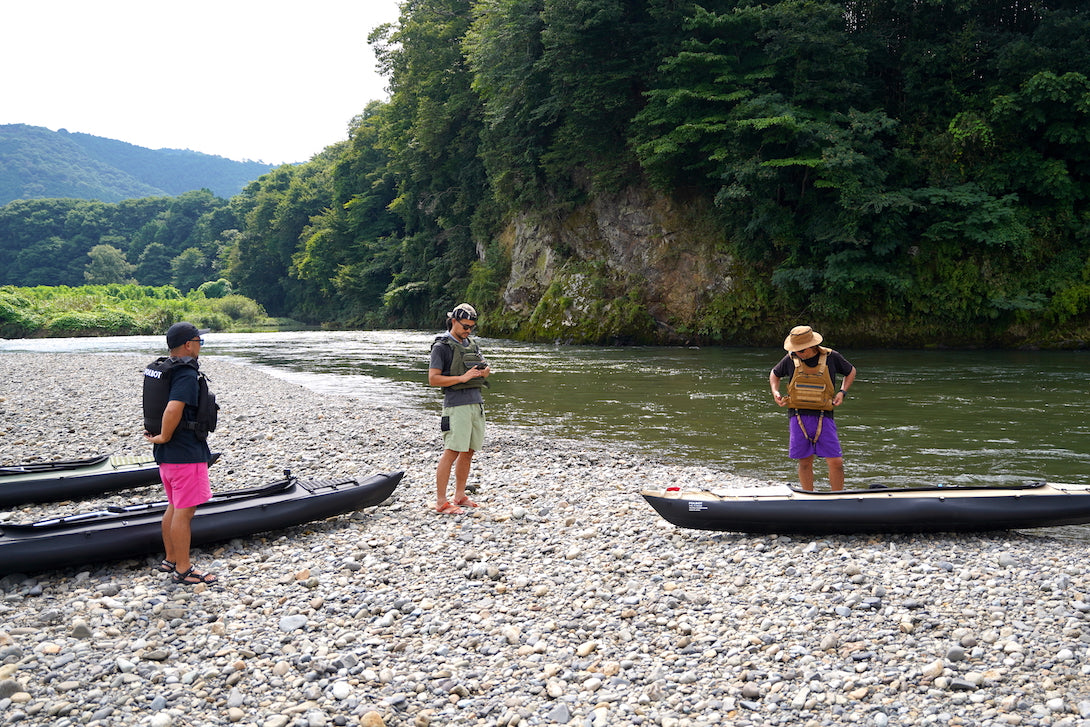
x=682, y=134
x=598, y=55
x=349, y=252
x=254, y=265
x=762, y=109
x=433, y=131
x=37, y=264
x=153, y=267
x=505, y=52
x=560, y=81
x=215, y=288
x=108, y=265
x=189, y=269
x=275, y=210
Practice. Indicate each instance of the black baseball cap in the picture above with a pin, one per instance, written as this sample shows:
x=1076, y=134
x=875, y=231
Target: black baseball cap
x=181, y=332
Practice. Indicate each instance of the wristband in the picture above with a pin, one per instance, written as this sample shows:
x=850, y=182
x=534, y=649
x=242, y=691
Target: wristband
x=845, y=393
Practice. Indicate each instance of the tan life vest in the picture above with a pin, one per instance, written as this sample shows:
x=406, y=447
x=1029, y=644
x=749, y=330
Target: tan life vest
x=811, y=387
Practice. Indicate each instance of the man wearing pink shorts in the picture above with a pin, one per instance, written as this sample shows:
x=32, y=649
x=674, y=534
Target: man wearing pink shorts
x=182, y=453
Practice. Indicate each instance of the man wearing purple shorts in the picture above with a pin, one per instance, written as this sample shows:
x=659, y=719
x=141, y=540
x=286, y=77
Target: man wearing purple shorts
x=182, y=455
x=811, y=371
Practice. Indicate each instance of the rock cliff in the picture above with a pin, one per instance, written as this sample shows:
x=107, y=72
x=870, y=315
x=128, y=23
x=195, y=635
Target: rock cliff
x=632, y=267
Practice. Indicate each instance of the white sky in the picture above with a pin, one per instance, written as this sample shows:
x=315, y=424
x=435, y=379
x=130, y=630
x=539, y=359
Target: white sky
x=267, y=80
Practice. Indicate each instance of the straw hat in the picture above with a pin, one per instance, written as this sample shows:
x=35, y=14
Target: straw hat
x=801, y=337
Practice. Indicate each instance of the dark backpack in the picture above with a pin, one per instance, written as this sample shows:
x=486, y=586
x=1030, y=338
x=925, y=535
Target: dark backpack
x=157, y=377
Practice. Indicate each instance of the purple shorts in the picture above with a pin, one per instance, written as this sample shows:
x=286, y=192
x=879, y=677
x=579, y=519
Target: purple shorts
x=828, y=443
x=186, y=484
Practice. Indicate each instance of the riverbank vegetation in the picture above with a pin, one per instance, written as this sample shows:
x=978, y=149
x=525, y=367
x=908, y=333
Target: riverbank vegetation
x=905, y=173
x=108, y=310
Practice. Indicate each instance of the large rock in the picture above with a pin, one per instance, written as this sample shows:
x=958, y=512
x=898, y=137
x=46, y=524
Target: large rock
x=633, y=265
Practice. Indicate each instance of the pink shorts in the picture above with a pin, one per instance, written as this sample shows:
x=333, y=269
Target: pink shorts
x=186, y=484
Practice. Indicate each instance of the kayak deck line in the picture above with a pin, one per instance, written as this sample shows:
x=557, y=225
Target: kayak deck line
x=57, y=466
x=120, y=512
x=113, y=460
x=78, y=478
x=786, y=492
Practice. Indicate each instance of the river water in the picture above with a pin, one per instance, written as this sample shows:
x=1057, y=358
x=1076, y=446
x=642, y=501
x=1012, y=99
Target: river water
x=913, y=417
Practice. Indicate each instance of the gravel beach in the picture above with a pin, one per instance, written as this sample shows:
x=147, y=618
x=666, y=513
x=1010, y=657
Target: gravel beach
x=563, y=600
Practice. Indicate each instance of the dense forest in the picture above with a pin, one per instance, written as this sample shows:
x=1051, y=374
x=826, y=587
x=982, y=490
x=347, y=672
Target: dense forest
x=156, y=240
x=906, y=172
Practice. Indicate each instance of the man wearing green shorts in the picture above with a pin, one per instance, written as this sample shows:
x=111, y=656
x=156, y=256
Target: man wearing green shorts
x=459, y=368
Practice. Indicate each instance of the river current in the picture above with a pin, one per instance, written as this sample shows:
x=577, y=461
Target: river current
x=913, y=417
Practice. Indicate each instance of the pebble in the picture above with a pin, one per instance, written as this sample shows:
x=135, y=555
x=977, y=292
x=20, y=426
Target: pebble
x=291, y=623
x=563, y=600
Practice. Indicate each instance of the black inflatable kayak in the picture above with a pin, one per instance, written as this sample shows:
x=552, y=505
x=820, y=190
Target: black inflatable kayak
x=77, y=478
x=133, y=530
x=783, y=509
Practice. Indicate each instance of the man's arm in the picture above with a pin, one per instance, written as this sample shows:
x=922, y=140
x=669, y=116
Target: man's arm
x=436, y=377
x=848, y=380
x=838, y=397
x=774, y=384
x=172, y=415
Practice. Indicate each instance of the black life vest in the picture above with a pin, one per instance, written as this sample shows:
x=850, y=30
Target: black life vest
x=157, y=378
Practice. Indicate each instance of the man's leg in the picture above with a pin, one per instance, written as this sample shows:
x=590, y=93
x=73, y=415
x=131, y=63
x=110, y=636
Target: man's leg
x=442, y=475
x=836, y=473
x=806, y=473
x=179, y=536
x=461, y=475
x=168, y=543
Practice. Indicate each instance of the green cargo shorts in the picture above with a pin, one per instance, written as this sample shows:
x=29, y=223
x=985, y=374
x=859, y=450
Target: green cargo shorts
x=466, y=427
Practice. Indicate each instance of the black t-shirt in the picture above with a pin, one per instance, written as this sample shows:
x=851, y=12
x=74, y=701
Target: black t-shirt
x=183, y=447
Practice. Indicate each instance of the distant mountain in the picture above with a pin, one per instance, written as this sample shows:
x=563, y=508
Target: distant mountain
x=36, y=163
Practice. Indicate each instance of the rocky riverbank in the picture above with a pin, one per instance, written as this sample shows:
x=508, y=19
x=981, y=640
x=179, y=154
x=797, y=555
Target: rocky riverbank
x=564, y=599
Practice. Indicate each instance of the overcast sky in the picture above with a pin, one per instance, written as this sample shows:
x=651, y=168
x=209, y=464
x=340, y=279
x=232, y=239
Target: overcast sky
x=267, y=80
